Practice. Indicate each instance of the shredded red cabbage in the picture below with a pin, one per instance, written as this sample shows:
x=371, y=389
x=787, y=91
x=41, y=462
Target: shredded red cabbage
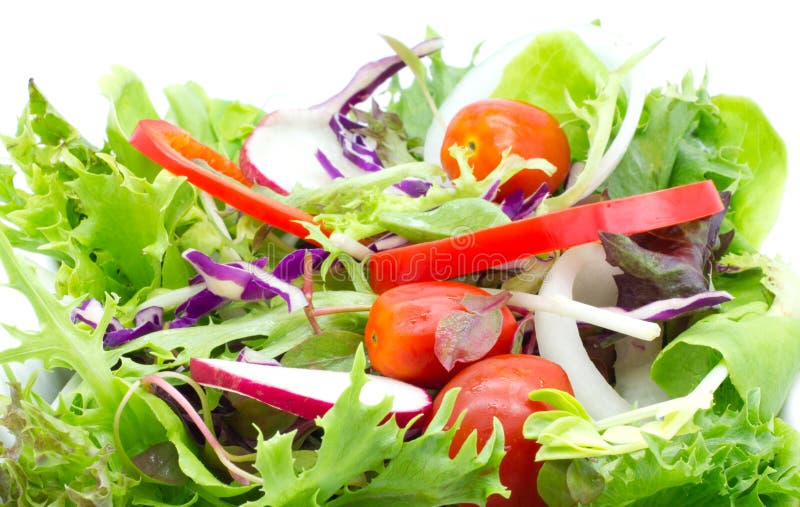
x=146, y=321
x=516, y=206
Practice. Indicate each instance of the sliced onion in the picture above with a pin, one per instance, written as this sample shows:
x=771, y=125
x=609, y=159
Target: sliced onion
x=558, y=338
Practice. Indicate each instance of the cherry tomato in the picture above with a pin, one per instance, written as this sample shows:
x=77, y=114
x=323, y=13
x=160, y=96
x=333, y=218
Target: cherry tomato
x=401, y=331
x=498, y=387
x=488, y=127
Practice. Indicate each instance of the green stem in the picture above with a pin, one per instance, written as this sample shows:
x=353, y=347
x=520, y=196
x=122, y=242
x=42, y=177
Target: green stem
x=330, y=310
x=702, y=395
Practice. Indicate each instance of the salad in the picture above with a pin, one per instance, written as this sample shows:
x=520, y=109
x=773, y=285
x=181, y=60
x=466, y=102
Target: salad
x=533, y=280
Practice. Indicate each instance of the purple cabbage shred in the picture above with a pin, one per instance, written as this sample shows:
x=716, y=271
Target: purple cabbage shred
x=238, y=280
x=666, y=309
x=516, y=206
x=366, y=80
x=414, y=187
x=145, y=321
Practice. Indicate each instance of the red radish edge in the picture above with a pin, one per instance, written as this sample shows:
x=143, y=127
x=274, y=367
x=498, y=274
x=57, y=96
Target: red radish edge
x=307, y=393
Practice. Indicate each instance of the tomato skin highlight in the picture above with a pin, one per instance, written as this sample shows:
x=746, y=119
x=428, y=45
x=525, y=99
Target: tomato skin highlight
x=499, y=387
x=400, y=334
x=488, y=127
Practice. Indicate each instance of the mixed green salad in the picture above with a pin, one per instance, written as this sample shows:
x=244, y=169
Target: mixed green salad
x=348, y=305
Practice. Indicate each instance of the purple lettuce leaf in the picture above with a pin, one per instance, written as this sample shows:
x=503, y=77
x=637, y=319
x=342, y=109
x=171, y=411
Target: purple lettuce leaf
x=671, y=262
x=466, y=336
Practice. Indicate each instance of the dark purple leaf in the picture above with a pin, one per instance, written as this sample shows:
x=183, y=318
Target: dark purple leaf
x=671, y=262
x=525, y=335
x=160, y=462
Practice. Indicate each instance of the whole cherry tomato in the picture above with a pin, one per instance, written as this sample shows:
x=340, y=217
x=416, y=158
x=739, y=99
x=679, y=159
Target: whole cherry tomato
x=488, y=127
x=400, y=334
x=498, y=387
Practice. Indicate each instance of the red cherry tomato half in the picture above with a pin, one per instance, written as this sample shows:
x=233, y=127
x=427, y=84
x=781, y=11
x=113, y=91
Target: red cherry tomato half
x=499, y=387
x=400, y=334
x=488, y=127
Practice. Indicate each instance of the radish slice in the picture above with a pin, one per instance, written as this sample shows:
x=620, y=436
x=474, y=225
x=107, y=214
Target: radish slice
x=558, y=338
x=482, y=80
x=285, y=146
x=307, y=393
x=313, y=146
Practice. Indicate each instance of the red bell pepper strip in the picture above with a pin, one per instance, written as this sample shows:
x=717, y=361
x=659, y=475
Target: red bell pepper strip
x=460, y=255
x=176, y=151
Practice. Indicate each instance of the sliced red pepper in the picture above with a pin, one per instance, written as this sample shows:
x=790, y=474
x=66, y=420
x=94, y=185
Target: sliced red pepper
x=176, y=151
x=484, y=249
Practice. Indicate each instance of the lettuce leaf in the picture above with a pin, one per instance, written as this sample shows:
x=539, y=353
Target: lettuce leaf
x=221, y=124
x=754, y=143
x=109, y=228
x=685, y=136
x=42, y=467
x=554, y=68
x=84, y=413
x=114, y=228
x=129, y=104
x=409, y=103
x=359, y=442
x=761, y=351
x=458, y=216
x=738, y=457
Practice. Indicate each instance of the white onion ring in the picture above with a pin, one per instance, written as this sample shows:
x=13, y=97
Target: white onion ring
x=558, y=338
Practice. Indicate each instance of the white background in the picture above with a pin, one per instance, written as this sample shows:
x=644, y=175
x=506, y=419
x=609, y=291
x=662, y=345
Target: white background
x=295, y=53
